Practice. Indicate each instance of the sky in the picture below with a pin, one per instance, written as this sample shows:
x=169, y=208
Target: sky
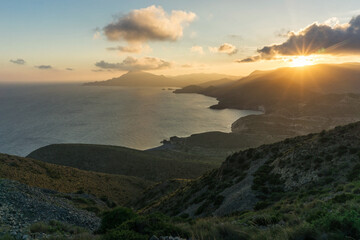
x=86, y=40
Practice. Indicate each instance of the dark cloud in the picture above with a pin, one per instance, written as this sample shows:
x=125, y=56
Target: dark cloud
x=134, y=48
x=69, y=69
x=235, y=36
x=249, y=59
x=43, y=67
x=131, y=63
x=316, y=39
x=146, y=24
x=18, y=61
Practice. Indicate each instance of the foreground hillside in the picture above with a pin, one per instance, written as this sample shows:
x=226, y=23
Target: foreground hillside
x=259, y=178
x=306, y=187
x=111, y=188
x=23, y=206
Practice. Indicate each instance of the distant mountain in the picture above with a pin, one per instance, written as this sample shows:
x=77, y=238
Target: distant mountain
x=286, y=86
x=144, y=79
x=206, y=86
x=135, y=79
x=203, y=77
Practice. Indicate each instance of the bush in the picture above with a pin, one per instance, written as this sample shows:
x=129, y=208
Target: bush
x=55, y=226
x=354, y=173
x=153, y=224
x=117, y=234
x=345, y=223
x=6, y=237
x=116, y=217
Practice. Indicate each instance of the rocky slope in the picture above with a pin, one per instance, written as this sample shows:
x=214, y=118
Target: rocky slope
x=262, y=176
x=21, y=206
x=112, y=188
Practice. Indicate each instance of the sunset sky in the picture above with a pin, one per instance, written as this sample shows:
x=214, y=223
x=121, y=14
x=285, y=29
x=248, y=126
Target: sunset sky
x=85, y=40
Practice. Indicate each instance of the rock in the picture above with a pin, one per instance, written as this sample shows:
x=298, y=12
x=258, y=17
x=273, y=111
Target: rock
x=154, y=238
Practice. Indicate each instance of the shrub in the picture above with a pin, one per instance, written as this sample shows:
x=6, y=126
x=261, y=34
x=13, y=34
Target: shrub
x=218, y=200
x=6, y=237
x=55, y=226
x=116, y=217
x=341, y=198
x=153, y=224
x=116, y=234
x=261, y=205
x=354, y=174
x=345, y=223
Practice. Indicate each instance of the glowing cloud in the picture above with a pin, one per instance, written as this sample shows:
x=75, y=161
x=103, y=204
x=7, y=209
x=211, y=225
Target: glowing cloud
x=149, y=24
x=328, y=38
x=197, y=49
x=224, y=48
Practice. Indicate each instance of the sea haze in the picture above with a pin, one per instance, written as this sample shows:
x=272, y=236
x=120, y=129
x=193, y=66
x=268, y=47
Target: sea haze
x=33, y=116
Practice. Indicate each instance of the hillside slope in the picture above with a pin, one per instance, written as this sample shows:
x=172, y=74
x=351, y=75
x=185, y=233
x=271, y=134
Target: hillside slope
x=22, y=206
x=287, y=86
x=151, y=165
x=116, y=188
x=260, y=177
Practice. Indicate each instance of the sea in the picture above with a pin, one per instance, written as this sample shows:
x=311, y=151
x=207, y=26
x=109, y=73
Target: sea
x=33, y=116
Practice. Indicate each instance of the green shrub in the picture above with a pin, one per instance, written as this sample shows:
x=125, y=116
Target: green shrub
x=354, y=174
x=261, y=205
x=153, y=224
x=342, y=198
x=345, y=224
x=6, y=237
x=55, y=227
x=218, y=200
x=117, y=234
x=116, y=217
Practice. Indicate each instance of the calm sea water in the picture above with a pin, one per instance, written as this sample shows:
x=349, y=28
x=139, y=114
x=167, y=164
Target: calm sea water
x=38, y=115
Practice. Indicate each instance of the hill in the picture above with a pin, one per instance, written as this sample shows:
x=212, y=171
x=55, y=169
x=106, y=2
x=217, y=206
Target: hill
x=205, y=87
x=295, y=101
x=144, y=79
x=115, y=188
x=150, y=165
x=316, y=166
x=287, y=87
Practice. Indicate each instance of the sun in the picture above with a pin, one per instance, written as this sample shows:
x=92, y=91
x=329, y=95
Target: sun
x=301, y=61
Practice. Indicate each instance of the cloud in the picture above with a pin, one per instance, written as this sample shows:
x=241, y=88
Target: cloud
x=186, y=66
x=134, y=48
x=197, y=49
x=247, y=60
x=149, y=24
x=43, y=67
x=18, y=61
x=327, y=38
x=135, y=64
x=224, y=48
x=69, y=69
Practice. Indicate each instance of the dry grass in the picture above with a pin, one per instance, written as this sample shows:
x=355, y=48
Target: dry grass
x=117, y=188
